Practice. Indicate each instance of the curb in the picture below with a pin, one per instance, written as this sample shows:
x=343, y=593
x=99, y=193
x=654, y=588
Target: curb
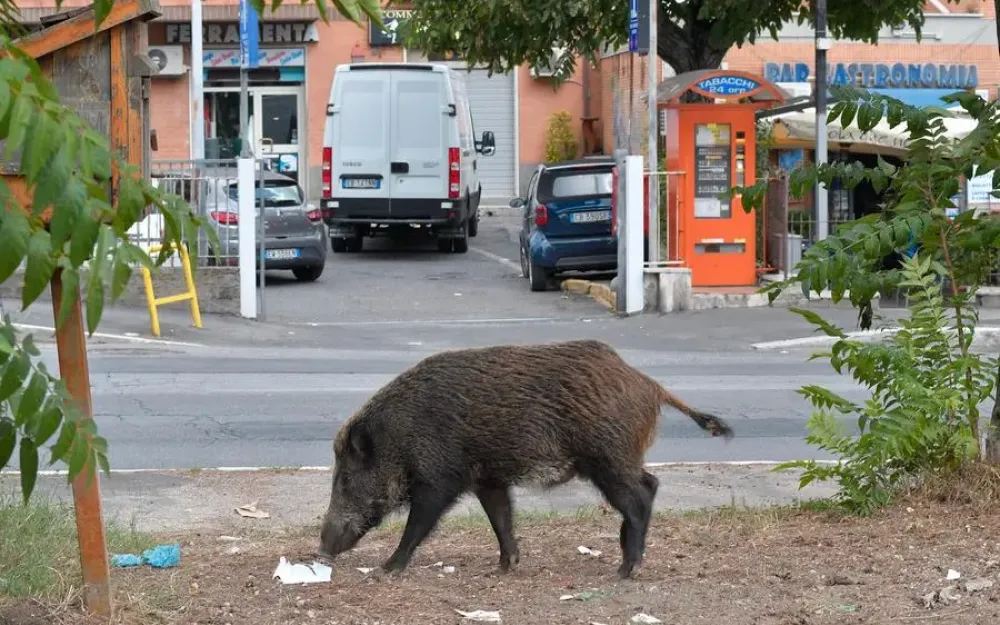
x=600, y=293
x=982, y=333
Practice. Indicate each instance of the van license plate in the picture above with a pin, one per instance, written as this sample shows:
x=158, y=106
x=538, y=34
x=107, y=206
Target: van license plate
x=281, y=254
x=361, y=183
x=590, y=217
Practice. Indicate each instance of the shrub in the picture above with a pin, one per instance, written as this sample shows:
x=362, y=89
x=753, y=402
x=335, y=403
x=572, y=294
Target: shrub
x=561, y=143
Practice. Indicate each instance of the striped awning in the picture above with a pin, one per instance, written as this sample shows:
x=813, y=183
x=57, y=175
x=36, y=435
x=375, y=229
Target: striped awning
x=209, y=13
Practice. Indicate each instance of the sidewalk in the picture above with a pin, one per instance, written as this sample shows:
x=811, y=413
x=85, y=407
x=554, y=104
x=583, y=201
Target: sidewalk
x=187, y=501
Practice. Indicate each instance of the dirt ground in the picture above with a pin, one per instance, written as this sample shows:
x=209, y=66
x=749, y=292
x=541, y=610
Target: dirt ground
x=737, y=568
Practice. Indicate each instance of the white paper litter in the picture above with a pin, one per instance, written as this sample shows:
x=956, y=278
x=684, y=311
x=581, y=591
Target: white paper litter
x=586, y=551
x=448, y=569
x=484, y=616
x=953, y=574
x=290, y=573
x=645, y=618
x=567, y=597
x=229, y=539
x=250, y=511
x=365, y=570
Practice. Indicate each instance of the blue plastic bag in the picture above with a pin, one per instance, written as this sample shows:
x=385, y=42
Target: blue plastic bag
x=125, y=560
x=162, y=556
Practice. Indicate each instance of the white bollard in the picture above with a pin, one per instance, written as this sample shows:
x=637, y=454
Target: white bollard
x=632, y=234
x=246, y=179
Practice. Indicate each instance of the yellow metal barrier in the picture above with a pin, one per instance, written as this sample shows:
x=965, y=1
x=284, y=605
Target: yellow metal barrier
x=191, y=293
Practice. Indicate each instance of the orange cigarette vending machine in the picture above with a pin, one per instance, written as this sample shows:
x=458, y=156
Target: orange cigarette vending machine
x=710, y=138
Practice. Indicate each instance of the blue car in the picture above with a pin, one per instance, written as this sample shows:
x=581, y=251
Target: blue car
x=566, y=220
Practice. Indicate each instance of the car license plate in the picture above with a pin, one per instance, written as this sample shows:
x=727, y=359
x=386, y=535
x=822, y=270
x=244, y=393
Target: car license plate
x=361, y=183
x=590, y=217
x=281, y=254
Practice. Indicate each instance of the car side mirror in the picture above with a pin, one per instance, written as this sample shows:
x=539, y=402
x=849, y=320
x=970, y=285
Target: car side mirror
x=488, y=145
x=517, y=202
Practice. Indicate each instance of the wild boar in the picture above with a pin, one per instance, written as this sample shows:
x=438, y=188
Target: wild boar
x=487, y=419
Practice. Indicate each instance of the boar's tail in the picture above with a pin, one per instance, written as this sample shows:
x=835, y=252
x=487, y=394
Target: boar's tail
x=710, y=423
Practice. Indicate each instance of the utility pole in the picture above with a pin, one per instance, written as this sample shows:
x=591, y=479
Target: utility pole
x=653, y=59
x=197, y=85
x=820, y=91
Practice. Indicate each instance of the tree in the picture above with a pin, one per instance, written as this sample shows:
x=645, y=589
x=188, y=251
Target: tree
x=693, y=34
x=927, y=382
x=67, y=167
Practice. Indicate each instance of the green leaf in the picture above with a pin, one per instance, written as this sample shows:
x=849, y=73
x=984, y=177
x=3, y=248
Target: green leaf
x=122, y=274
x=47, y=423
x=31, y=399
x=79, y=451
x=62, y=445
x=8, y=439
x=63, y=223
x=84, y=238
x=41, y=265
x=70, y=294
x=14, y=375
x=29, y=347
x=95, y=300
x=15, y=232
x=29, y=467
x=20, y=120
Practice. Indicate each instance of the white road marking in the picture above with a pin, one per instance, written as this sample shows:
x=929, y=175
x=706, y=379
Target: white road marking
x=436, y=322
x=506, y=262
x=118, y=337
x=324, y=469
x=865, y=336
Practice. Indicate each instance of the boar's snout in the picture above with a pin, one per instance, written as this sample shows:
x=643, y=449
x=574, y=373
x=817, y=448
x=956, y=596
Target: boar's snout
x=337, y=536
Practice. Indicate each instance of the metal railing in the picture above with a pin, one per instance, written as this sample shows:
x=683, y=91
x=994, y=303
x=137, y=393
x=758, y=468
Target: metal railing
x=209, y=186
x=670, y=204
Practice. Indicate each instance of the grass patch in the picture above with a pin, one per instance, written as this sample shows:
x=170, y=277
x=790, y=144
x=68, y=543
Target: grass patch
x=39, y=553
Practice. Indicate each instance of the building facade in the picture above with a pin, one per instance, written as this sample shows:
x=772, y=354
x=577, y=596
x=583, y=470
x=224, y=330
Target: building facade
x=298, y=53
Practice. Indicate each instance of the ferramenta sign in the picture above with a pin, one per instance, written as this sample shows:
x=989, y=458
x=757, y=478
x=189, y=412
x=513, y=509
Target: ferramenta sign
x=224, y=33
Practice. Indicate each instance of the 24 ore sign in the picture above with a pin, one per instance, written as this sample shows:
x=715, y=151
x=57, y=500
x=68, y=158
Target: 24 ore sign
x=727, y=85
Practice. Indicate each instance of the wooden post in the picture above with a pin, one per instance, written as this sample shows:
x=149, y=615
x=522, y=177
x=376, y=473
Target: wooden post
x=71, y=344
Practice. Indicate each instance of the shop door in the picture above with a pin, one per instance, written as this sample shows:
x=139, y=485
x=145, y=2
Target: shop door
x=275, y=127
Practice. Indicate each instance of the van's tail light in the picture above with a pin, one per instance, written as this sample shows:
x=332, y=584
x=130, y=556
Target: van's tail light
x=614, y=201
x=541, y=215
x=314, y=215
x=327, y=172
x=454, y=174
x=225, y=218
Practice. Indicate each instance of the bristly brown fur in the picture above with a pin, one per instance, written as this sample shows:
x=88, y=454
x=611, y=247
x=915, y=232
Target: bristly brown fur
x=486, y=419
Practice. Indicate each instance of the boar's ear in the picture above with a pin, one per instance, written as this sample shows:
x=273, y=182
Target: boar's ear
x=361, y=444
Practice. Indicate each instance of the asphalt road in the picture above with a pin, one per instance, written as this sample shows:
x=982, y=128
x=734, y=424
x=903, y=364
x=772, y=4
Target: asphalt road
x=274, y=393
x=209, y=407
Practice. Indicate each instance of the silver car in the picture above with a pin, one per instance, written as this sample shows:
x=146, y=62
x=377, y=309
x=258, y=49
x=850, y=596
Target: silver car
x=294, y=235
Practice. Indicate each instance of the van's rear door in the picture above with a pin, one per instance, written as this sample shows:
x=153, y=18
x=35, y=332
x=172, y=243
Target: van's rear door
x=419, y=142
x=360, y=143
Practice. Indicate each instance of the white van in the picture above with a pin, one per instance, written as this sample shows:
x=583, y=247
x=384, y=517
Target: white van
x=399, y=152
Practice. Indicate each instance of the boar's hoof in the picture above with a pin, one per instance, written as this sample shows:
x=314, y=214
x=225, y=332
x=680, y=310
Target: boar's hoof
x=626, y=570
x=509, y=561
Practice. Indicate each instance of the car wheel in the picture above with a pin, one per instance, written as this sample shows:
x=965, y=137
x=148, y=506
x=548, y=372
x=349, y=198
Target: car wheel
x=338, y=245
x=355, y=244
x=308, y=274
x=524, y=261
x=537, y=277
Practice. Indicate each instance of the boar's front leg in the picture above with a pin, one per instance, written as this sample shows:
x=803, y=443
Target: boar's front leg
x=427, y=505
x=496, y=503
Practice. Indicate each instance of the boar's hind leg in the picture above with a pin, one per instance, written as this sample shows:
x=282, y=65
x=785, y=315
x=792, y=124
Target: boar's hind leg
x=633, y=498
x=426, y=508
x=496, y=503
